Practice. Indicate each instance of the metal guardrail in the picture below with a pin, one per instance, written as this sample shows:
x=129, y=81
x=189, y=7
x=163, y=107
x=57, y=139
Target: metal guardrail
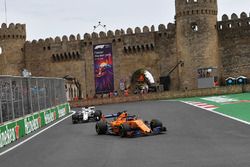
x=20, y=96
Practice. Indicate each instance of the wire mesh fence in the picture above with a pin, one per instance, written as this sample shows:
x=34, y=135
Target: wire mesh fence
x=20, y=96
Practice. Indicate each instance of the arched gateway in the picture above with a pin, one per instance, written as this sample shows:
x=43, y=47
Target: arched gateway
x=141, y=81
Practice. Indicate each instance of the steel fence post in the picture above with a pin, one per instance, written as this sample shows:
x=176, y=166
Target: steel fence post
x=6, y=100
x=1, y=112
x=22, y=96
x=55, y=92
x=50, y=92
x=18, y=99
x=30, y=94
x=44, y=93
x=12, y=96
x=38, y=100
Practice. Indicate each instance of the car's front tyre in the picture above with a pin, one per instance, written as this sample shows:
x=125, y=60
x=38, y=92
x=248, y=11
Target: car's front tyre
x=98, y=115
x=155, y=123
x=124, y=128
x=101, y=127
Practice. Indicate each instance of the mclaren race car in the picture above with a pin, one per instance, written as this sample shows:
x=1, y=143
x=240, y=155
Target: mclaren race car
x=86, y=114
x=126, y=125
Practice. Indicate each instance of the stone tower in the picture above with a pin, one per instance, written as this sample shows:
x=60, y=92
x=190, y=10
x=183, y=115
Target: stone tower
x=12, y=41
x=197, y=40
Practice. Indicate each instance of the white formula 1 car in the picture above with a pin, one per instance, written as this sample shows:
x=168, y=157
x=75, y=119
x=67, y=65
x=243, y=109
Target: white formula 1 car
x=86, y=114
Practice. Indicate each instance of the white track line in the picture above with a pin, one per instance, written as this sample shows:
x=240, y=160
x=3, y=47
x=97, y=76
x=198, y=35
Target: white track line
x=31, y=137
x=211, y=110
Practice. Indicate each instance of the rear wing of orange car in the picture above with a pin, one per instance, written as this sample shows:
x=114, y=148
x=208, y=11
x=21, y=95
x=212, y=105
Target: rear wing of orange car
x=111, y=115
x=116, y=115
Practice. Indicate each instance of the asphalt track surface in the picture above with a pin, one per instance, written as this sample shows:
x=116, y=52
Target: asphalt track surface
x=195, y=138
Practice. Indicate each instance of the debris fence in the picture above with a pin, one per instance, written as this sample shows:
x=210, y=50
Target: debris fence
x=20, y=96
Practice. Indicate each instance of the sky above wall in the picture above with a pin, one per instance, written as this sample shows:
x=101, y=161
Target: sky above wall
x=51, y=18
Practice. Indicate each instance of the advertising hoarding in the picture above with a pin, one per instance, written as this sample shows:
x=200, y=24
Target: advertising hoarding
x=103, y=68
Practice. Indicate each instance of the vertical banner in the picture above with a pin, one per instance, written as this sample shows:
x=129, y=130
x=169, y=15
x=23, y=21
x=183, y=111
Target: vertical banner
x=103, y=67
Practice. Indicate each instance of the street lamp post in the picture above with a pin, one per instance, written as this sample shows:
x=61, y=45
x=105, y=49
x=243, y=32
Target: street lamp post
x=5, y=7
x=100, y=25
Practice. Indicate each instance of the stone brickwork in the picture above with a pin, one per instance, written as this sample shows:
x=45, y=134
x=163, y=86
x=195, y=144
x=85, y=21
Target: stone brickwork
x=234, y=45
x=132, y=50
x=163, y=96
x=12, y=39
x=196, y=38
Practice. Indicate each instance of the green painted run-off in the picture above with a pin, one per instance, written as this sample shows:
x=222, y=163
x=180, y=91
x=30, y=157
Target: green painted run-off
x=234, y=105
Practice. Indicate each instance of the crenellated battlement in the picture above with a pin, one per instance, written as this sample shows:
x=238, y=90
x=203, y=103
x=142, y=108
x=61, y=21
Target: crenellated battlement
x=196, y=12
x=130, y=31
x=103, y=35
x=56, y=40
x=196, y=7
x=196, y=38
x=168, y=32
x=237, y=25
x=13, y=31
x=196, y=2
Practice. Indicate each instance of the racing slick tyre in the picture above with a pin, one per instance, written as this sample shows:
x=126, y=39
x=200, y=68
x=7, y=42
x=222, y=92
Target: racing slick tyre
x=98, y=115
x=124, y=128
x=101, y=127
x=74, y=121
x=85, y=121
x=155, y=123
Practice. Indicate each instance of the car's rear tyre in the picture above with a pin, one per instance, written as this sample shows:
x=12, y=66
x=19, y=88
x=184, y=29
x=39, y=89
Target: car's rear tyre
x=155, y=123
x=74, y=121
x=101, y=127
x=124, y=128
x=98, y=115
x=85, y=121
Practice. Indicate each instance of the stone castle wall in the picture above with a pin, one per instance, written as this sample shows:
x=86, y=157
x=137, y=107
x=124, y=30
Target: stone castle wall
x=197, y=39
x=12, y=39
x=164, y=95
x=234, y=45
x=132, y=50
x=56, y=57
x=221, y=44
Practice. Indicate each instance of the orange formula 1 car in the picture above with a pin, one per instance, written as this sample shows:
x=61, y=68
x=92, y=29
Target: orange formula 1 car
x=128, y=126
